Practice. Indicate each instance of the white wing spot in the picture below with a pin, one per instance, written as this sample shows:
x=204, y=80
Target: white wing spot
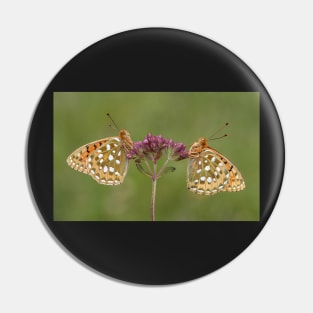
x=108, y=147
x=209, y=180
x=110, y=157
x=111, y=169
x=207, y=168
x=105, y=169
x=117, y=161
x=202, y=178
x=100, y=156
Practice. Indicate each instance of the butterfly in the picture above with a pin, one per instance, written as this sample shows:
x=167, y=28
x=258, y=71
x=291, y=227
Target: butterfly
x=209, y=172
x=105, y=160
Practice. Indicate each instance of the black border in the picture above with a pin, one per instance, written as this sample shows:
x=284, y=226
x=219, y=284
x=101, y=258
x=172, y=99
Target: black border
x=155, y=59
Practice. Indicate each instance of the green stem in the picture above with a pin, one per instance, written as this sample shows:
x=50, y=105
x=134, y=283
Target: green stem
x=148, y=165
x=154, y=181
x=162, y=168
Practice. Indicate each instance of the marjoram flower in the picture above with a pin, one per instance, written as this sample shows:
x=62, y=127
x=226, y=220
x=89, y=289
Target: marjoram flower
x=146, y=154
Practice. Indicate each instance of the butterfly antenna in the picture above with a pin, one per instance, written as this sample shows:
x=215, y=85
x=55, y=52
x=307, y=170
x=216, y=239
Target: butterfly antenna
x=225, y=135
x=217, y=131
x=109, y=116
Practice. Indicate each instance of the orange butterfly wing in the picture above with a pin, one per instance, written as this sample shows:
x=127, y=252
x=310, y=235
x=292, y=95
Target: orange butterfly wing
x=209, y=172
x=104, y=160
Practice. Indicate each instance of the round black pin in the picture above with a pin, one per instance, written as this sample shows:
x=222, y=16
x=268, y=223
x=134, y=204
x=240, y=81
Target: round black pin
x=161, y=156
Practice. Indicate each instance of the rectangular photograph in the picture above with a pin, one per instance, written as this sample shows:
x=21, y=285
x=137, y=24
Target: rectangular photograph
x=156, y=156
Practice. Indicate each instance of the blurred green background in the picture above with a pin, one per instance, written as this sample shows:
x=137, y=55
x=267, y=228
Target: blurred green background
x=80, y=117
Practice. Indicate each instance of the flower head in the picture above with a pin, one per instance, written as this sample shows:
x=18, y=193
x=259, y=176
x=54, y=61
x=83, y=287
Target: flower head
x=146, y=154
x=153, y=147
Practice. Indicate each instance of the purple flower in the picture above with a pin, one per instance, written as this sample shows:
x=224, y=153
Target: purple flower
x=152, y=147
x=146, y=154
